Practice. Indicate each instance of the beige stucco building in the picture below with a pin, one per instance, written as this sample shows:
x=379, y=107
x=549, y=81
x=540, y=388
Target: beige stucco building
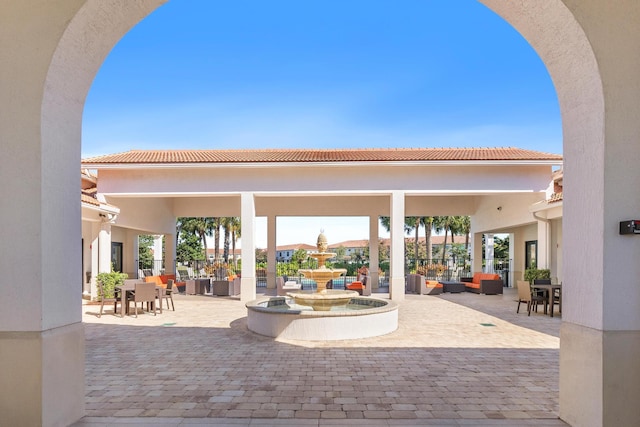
x=154, y=188
x=49, y=55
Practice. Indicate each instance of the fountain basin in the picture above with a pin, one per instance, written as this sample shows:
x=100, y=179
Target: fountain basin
x=323, y=300
x=282, y=318
x=322, y=274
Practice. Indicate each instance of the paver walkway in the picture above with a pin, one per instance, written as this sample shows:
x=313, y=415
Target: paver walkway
x=456, y=359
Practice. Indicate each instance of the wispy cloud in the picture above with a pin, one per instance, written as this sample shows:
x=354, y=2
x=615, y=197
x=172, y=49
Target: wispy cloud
x=317, y=126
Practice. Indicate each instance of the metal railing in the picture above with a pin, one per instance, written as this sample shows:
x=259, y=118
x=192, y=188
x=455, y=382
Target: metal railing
x=150, y=268
x=453, y=268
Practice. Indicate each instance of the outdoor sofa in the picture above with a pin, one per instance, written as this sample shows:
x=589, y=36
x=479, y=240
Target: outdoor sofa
x=418, y=284
x=483, y=283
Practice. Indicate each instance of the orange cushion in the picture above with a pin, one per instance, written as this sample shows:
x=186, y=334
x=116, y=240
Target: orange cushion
x=355, y=285
x=433, y=284
x=165, y=277
x=156, y=280
x=477, y=277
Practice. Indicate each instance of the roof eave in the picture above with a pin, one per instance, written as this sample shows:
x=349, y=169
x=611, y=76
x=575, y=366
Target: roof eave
x=544, y=205
x=172, y=165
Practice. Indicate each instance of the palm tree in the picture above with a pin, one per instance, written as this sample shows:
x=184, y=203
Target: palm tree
x=463, y=226
x=416, y=226
x=200, y=227
x=226, y=226
x=427, y=221
x=441, y=223
x=216, y=223
x=410, y=224
x=236, y=230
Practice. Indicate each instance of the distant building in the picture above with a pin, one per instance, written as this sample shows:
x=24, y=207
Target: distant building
x=285, y=253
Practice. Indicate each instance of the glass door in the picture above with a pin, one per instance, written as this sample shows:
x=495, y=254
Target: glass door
x=116, y=256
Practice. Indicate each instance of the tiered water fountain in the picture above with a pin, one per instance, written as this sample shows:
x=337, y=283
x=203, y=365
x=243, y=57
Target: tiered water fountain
x=322, y=299
x=323, y=314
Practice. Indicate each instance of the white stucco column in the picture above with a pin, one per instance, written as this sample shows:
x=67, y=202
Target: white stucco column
x=374, y=261
x=544, y=232
x=488, y=253
x=271, y=252
x=44, y=78
x=169, y=253
x=95, y=258
x=248, y=224
x=157, y=254
x=397, y=280
x=131, y=262
x=512, y=260
x=476, y=252
x=104, y=248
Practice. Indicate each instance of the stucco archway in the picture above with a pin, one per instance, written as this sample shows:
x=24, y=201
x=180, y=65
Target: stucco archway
x=590, y=50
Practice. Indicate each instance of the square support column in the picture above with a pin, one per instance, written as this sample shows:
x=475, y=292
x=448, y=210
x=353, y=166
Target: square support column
x=248, y=224
x=397, y=280
x=544, y=235
x=170, y=254
x=157, y=254
x=271, y=253
x=374, y=261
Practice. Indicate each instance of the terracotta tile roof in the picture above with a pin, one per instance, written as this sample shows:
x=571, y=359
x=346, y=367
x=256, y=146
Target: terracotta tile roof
x=89, y=196
x=351, y=244
x=555, y=197
x=89, y=199
x=317, y=155
x=295, y=247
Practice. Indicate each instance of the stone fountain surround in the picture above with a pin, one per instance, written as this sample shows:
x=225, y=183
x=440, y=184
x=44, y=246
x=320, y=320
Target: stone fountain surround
x=322, y=324
x=312, y=325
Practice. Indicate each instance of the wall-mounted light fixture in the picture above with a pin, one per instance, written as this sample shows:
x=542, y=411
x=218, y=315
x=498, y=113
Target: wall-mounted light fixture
x=108, y=217
x=631, y=226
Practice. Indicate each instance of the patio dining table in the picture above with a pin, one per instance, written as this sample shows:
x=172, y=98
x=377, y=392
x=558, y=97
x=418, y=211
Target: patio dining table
x=550, y=292
x=130, y=287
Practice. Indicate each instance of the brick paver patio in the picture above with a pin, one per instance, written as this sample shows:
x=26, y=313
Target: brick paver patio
x=456, y=359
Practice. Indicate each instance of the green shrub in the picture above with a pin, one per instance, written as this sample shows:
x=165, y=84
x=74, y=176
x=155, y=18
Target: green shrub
x=532, y=274
x=110, y=281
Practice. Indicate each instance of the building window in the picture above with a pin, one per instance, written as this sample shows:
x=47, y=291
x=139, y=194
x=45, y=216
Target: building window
x=531, y=254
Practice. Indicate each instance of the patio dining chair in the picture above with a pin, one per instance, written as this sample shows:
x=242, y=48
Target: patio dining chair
x=143, y=292
x=167, y=294
x=543, y=293
x=112, y=299
x=525, y=295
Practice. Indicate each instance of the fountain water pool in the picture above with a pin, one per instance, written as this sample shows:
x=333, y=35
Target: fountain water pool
x=283, y=318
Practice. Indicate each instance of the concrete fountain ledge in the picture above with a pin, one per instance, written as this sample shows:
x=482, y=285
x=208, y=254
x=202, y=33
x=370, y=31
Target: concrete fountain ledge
x=270, y=316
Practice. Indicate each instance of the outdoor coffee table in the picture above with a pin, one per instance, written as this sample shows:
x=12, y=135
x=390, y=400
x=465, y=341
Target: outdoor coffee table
x=452, y=286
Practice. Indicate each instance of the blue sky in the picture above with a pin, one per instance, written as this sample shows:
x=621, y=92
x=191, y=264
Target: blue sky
x=200, y=74
x=321, y=74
